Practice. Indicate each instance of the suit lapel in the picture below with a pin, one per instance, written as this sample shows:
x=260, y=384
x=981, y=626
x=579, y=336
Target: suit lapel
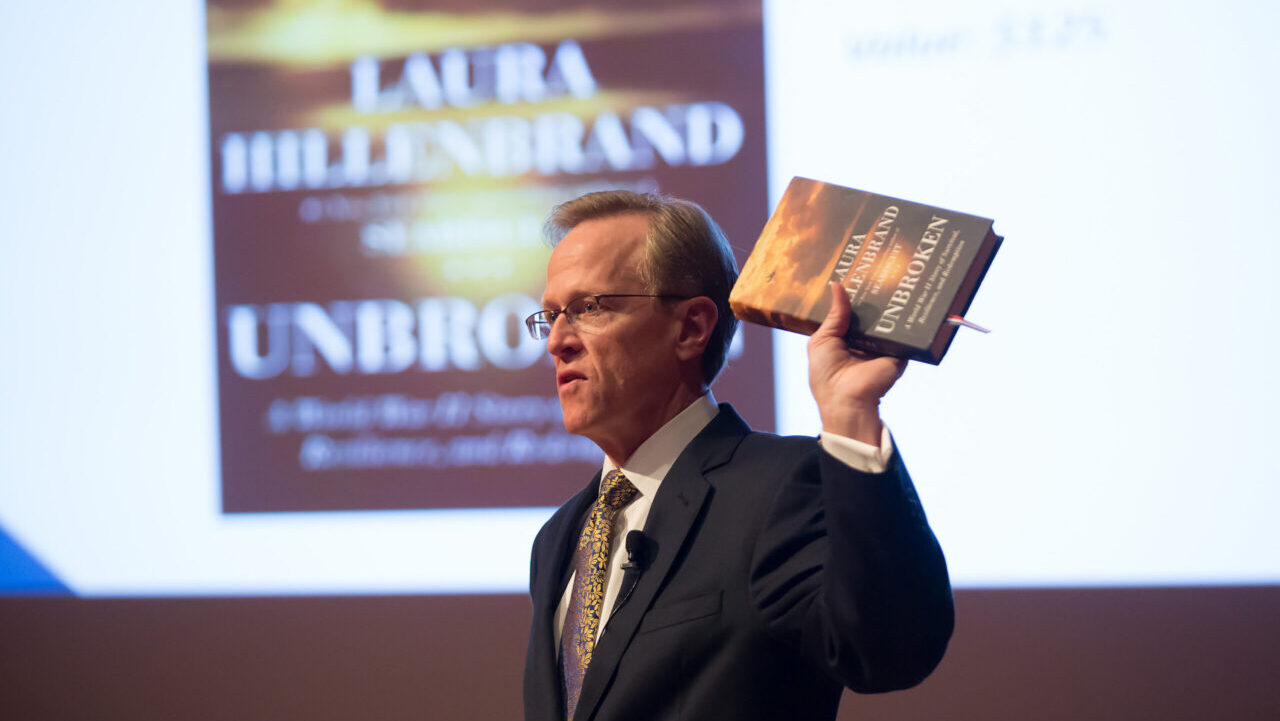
x=675, y=511
x=553, y=558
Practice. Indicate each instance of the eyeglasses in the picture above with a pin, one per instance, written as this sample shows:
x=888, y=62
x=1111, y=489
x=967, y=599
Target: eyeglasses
x=585, y=313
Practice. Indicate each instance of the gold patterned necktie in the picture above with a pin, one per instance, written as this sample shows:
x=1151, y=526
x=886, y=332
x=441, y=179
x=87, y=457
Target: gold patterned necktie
x=590, y=569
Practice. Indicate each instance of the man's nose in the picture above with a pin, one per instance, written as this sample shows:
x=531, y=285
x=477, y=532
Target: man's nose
x=562, y=340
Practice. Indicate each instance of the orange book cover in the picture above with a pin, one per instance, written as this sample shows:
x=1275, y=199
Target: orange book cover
x=906, y=268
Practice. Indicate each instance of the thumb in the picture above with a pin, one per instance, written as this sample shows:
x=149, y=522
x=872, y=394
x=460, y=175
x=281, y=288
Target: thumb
x=836, y=324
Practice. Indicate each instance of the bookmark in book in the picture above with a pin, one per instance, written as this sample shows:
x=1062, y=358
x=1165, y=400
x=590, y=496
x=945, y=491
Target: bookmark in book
x=957, y=320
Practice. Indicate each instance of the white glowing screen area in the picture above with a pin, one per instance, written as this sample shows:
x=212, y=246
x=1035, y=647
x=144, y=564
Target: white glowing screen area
x=1114, y=429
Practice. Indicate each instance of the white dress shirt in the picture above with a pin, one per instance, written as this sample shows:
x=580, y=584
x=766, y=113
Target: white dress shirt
x=653, y=459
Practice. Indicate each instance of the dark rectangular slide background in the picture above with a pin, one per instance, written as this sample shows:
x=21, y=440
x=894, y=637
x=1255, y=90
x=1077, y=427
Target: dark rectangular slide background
x=1144, y=653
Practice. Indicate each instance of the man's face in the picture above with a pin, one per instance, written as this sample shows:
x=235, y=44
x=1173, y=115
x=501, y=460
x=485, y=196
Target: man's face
x=617, y=382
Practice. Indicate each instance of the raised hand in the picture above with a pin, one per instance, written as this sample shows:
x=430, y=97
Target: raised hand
x=848, y=384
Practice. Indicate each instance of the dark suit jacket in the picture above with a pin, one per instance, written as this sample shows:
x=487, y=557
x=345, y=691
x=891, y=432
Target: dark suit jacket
x=780, y=574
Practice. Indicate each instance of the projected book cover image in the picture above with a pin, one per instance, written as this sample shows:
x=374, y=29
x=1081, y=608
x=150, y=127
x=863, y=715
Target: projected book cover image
x=378, y=198
x=910, y=270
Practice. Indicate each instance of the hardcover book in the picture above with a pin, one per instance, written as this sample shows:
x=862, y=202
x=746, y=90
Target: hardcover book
x=910, y=270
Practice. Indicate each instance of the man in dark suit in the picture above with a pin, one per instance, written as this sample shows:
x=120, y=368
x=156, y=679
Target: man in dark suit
x=709, y=571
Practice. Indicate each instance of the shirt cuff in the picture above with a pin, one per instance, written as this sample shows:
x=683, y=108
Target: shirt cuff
x=858, y=455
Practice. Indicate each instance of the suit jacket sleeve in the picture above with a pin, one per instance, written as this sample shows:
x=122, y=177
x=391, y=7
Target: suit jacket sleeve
x=847, y=571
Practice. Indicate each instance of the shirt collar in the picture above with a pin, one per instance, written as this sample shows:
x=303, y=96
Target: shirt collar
x=649, y=464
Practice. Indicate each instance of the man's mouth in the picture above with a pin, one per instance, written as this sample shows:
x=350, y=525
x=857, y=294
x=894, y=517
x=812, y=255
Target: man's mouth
x=564, y=378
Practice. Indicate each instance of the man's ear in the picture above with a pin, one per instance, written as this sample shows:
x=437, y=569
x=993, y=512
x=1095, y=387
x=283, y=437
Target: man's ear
x=697, y=321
